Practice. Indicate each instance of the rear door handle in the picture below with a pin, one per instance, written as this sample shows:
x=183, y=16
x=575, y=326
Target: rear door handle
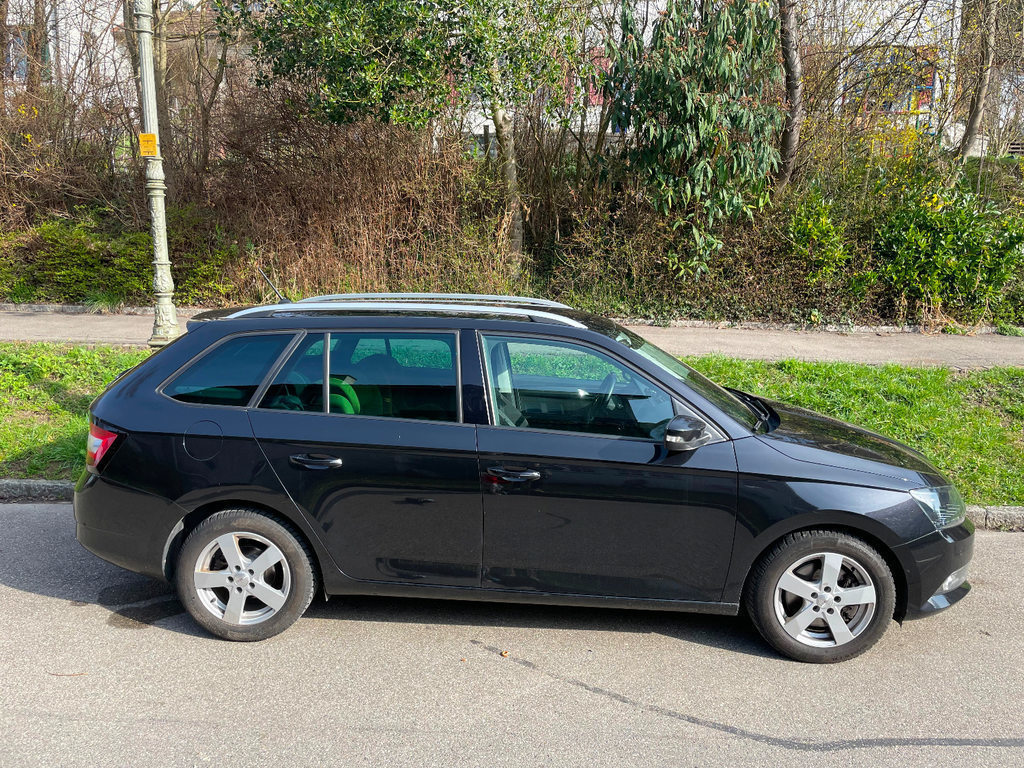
x=315, y=461
x=514, y=476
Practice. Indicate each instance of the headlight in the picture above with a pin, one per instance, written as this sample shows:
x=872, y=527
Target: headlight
x=942, y=504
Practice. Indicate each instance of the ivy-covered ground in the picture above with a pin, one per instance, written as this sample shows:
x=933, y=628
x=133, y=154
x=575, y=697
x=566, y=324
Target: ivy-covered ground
x=970, y=424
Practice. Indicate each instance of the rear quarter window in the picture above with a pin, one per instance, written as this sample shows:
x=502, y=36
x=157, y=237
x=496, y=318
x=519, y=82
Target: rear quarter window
x=231, y=372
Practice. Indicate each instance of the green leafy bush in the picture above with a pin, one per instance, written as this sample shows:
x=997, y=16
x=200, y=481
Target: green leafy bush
x=818, y=237
x=949, y=251
x=92, y=259
x=698, y=97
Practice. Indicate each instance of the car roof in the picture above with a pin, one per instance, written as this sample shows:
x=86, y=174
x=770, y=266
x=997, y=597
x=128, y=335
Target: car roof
x=425, y=305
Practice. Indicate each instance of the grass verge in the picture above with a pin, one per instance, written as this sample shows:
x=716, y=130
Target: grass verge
x=970, y=424
x=45, y=391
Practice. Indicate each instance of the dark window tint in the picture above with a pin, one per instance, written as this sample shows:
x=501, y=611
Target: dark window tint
x=399, y=375
x=299, y=385
x=556, y=385
x=231, y=372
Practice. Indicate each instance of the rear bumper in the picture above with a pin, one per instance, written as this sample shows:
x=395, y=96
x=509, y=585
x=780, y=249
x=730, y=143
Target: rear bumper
x=929, y=562
x=124, y=526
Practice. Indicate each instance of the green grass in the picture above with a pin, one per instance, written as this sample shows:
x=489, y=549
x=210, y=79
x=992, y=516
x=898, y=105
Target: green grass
x=45, y=391
x=970, y=424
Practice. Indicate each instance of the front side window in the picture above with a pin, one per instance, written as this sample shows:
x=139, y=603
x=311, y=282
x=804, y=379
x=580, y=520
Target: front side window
x=397, y=375
x=545, y=384
x=722, y=399
x=231, y=372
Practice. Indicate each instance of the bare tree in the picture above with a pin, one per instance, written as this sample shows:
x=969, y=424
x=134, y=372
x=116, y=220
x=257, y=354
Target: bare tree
x=131, y=44
x=36, y=48
x=988, y=10
x=793, y=65
x=206, y=101
x=4, y=42
x=504, y=133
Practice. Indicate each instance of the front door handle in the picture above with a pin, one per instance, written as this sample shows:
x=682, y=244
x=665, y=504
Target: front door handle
x=514, y=476
x=315, y=461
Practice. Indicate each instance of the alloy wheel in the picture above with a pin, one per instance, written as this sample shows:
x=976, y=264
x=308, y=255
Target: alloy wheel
x=242, y=578
x=825, y=600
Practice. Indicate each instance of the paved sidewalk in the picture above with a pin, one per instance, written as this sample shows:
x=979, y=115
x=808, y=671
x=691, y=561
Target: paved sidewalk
x=982, y=351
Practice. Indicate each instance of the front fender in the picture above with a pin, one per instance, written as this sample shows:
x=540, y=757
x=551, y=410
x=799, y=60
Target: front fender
x=770, y=508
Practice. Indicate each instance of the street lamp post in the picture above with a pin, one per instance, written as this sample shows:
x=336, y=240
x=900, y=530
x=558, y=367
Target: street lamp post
x=165, y=323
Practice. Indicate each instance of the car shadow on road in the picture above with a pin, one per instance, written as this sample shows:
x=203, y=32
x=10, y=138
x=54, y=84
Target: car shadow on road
x=39, y=554
x=729, y=633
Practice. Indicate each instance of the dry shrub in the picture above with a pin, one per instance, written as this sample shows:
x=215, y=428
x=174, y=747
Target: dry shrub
x=363, y=207
x=56, y=154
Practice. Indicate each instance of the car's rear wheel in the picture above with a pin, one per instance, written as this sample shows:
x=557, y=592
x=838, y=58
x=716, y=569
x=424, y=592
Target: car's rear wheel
x=821, y=596
x=244, y=576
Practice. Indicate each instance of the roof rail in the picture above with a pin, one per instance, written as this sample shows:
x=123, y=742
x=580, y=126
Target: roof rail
x=442, y=297
x=410, y=306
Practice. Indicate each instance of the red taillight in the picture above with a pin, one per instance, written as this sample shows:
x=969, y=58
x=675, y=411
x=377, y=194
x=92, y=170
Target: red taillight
x=98, y=444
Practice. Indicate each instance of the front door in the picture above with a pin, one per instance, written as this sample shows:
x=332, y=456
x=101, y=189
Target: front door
x=580, y=495
x=377, y=456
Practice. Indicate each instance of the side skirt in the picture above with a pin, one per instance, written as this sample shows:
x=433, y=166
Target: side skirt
x=388, y=589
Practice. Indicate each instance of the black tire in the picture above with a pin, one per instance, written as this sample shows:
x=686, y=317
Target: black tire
x=862, y=567
x=288, y=584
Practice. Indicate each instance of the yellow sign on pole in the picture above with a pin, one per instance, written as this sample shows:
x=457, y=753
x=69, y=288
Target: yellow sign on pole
x=147, y=144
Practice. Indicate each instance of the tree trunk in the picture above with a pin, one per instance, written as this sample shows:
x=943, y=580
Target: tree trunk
x=791, y=61
x=163, y=107
x=988, y=47
x=510, y=172
x=206, y=105
x=35, y=48
x=131, y=42
x=4, y=4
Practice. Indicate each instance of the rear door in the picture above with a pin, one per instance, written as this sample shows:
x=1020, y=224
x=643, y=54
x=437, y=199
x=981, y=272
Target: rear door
x=369, y=442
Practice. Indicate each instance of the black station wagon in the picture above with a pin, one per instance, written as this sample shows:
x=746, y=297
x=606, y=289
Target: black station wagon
x=507, y=449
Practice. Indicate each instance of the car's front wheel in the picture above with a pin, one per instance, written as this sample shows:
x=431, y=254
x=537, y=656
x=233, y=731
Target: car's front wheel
x=821, y=596
x=244, y=576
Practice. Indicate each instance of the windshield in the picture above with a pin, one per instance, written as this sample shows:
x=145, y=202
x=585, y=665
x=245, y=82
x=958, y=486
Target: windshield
x=703, y=386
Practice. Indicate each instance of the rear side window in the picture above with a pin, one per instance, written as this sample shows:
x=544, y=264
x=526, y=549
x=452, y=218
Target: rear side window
x=397, y=375
x=230, y=373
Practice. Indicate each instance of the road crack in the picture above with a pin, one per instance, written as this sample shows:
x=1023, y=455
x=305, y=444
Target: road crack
x=795, y=744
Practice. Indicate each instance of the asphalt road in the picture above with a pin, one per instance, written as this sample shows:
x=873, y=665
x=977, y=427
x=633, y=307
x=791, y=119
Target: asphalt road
x=982, y=351
x=100, y=667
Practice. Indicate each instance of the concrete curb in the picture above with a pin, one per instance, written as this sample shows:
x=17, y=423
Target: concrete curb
x=1004, y=518
x=845, y=330
x=19, y=491
x=998, y=518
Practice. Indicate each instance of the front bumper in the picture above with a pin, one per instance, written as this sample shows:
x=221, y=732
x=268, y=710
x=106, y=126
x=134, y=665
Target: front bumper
x=928, y=563
x=124, y=526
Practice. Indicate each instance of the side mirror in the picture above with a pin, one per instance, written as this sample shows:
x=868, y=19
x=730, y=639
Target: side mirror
x=686, y=433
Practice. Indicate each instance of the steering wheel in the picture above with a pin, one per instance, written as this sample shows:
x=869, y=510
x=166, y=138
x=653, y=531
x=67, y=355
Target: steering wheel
x=296, y=383
x=603, y=397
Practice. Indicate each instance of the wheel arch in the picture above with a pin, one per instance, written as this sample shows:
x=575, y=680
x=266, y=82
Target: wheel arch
x=766, y=543
x=192, y=519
